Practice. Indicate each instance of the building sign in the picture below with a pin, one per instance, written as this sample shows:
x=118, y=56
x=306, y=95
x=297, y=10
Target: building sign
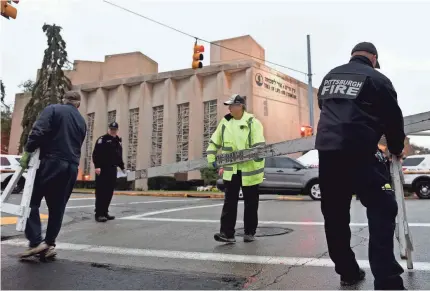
x=277, y=86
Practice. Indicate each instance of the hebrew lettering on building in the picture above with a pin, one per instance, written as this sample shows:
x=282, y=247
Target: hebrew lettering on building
x=282, y=85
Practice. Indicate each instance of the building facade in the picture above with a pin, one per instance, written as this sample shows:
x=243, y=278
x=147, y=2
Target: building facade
x=169, y=117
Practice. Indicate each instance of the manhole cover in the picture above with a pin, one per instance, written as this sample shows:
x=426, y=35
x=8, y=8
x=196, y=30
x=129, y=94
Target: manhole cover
x=266, y=231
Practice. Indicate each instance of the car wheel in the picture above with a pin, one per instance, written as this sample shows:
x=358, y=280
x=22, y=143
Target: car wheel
x=313, y=190
x=422, y=188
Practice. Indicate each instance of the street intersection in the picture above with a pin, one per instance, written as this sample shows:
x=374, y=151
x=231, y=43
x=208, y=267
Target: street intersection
x=167, y=243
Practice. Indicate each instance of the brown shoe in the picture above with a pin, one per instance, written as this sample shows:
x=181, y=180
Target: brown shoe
x=34, y=250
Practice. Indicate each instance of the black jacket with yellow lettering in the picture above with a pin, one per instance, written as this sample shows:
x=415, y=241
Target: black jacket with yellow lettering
x=358, y=105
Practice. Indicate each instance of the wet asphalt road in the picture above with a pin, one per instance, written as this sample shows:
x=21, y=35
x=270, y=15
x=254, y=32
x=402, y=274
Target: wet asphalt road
x=167, y=243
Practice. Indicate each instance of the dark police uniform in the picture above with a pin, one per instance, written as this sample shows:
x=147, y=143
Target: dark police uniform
x=107, y=156
x=358, y=105
x=59, y=134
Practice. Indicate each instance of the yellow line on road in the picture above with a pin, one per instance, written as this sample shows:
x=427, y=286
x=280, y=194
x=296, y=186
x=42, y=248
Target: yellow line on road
x=13, y=219
x=291, y=198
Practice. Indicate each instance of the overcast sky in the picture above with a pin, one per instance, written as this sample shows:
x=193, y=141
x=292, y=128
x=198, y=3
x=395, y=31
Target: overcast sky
x=93, y=29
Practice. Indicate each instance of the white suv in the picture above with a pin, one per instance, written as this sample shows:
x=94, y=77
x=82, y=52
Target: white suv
x=416, y=170
x=9, y=164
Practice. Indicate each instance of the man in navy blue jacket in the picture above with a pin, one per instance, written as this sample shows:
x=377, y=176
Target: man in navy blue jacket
x=58, y=133
x=358, y=105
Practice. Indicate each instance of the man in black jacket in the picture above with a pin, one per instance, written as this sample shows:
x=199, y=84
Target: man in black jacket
x=58, y=133
x=358, y=105
x=107, y=156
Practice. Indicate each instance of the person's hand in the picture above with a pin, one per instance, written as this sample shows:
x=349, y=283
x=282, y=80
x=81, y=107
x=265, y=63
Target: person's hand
x=399, y=156
x=124, y=171
x=25, y=159
x=98, y=171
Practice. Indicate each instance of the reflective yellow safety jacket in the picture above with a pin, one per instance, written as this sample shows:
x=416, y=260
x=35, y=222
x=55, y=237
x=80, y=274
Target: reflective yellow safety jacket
x=233, y=135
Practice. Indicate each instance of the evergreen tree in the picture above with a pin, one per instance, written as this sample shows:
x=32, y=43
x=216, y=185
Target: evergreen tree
x=209, y=176
x=51, y=83
x=27, y=86
x=2, y=91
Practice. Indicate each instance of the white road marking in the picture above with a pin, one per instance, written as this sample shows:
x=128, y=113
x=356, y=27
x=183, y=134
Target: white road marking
x=162, y=201
x=172, y=210
x=308, y=223
x=216, y=257
x=75, y=199
x=132, y=203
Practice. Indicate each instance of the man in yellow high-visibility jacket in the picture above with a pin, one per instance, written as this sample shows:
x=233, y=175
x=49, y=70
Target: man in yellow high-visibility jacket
x=238, y=130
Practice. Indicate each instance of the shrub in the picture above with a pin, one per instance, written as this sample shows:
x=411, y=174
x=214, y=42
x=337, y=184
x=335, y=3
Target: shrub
x=209, y=176
x=161, y=183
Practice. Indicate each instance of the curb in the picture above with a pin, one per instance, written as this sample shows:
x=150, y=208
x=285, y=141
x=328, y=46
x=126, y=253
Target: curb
x=159, y=194
x=293, y=198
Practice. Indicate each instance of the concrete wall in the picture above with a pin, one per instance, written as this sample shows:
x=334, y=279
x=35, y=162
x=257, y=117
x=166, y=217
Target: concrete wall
x=130, y=81
x=245, y=44
x=21, y=101
x=282, y=111
x=115, y=66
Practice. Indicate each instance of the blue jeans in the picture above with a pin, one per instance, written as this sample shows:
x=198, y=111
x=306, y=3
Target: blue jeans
x=54, y=181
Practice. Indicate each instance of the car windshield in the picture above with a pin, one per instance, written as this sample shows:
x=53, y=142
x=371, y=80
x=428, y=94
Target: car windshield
x=18, y=159
x=300, y=163
x=412, y=162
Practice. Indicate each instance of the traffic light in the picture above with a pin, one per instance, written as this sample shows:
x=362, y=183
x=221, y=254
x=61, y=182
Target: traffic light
x=198, y=56
x=7, y=10
x=306, y=130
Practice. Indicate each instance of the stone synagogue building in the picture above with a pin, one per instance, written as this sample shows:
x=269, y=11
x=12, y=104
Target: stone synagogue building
x=169, y=117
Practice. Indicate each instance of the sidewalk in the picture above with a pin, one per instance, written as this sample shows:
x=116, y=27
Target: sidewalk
x=197, y=194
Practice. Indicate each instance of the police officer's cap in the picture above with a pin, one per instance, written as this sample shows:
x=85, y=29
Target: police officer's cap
x=113, y=125
x=367, y=47
x=235, y=99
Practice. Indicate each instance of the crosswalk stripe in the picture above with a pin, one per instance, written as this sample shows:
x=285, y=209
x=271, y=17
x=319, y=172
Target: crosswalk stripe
x=202, y=256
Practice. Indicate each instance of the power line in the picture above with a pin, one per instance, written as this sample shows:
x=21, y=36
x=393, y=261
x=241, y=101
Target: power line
x=197, y=38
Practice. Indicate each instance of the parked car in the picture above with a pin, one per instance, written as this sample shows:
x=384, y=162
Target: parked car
x=416, y=170
x=310, y=159
x=9, y=164
x=284, y=175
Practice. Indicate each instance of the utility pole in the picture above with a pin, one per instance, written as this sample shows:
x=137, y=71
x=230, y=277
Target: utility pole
x=310, y=89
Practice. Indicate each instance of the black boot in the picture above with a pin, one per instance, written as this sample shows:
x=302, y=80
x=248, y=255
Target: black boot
x=109, y=217
x=100, y=218
x=344, y=281
x=221, y=237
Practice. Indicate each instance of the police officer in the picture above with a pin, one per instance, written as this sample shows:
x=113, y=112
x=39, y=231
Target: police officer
x=238, y=130
x=59, y=133
x=358, y=104
x=107, y=156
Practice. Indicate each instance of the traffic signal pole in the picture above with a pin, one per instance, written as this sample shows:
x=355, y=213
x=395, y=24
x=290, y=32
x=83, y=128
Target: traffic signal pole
x=310, y=89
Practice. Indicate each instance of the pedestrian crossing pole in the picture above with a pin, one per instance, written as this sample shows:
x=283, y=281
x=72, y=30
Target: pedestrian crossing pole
x=310, y=89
